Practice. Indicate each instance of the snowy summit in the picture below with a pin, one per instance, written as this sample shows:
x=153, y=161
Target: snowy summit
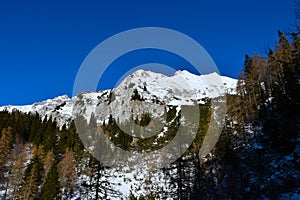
x=183, y=88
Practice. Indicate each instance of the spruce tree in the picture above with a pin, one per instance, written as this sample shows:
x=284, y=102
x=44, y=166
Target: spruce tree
x=50, y=189
x=32, y=179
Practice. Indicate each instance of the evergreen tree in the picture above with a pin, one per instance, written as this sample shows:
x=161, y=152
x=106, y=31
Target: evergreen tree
x=281, y=118
x=32, y=179
x=268, y=91
x=50, y=189
x=48, y=161
x=67, y=173
x=248, y=64
x=5, y=146
x=15, y=169
x=50, y=135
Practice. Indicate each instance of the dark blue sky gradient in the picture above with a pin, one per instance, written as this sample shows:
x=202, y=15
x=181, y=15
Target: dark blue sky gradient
x=43, y=43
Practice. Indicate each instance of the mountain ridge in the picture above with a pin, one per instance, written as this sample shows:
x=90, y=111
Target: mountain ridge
x=183, y=88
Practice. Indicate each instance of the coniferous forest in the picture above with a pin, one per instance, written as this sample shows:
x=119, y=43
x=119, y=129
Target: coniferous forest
x=256, y=157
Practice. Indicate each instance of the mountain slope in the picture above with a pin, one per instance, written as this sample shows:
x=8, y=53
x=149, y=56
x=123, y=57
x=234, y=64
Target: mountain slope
x=183, y=88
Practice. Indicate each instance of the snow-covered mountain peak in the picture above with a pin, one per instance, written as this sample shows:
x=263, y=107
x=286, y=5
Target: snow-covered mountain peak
x=146, y=73
x=184, y=73
x=181, y=82
x=183, y=88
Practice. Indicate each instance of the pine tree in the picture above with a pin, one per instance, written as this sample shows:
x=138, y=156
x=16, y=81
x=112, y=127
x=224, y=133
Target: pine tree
x=5, y=146
x=50, y=135
x=268, y=90
x=74, y=141
x=48, y=160
x=247, y=64
x=39, y=135
x=50, y=189
x=67, y=173
x=280, y=120
x=32, y=179
x=15, y=169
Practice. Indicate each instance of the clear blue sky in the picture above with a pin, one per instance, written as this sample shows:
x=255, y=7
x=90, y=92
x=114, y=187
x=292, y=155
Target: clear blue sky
x=43, y=43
